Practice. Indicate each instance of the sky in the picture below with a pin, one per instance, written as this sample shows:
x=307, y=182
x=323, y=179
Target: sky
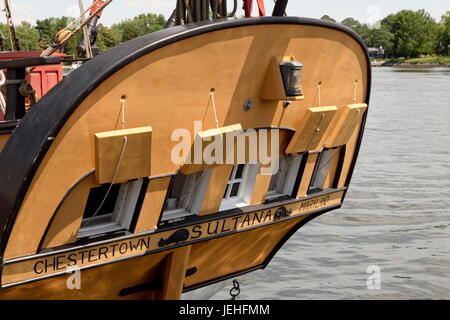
x=366, y=11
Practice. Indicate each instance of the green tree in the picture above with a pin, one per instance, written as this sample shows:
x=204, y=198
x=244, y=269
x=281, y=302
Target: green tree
x=25, y=32
x=351, y=23
x=373, y=37
x=362, y=29
x=328, y=18
x=28, y=37
x=130, y=30
x=444, y=34
x=4, y=38
x=414, y=33
x=48, y=28
x=138, y=26
x=380, y=37
x=105, y=38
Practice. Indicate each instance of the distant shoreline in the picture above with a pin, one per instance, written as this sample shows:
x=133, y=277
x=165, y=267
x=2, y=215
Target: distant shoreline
x=413, y=65
x=429, y=62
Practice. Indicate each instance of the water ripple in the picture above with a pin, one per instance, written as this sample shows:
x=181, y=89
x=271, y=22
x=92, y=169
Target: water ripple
x=396, y=215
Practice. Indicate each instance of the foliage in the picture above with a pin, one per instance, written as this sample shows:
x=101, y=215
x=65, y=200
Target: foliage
x=373, y=37
x=352, y=24
x=48, y=28
x=415, y=33
x=26, y=33
x=28, y=37
x=444, y=34
x=42, y=35
x=328, y=18
x=406, y=33
x=105, y=38
x=426, y=60
x=138, y=26
x=380, y=38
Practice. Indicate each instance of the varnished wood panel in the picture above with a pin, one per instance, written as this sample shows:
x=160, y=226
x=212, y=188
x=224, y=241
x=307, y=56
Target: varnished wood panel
x=332, y=170
x=311, y=130
x=66, y=224
x=261, y=188
x=212, y=259
x=330, y=57
x=3, y=139
x=132, y=248
x=173, y=274
x=195, y=160
x=349, y=119
x=307, y=175
x=153, y=204
x=349, y=156
x=223, y=256
x=103, y=283
x=134, y=163
x=216, y=189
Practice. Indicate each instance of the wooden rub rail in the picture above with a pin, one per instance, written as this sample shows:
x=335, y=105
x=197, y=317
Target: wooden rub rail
x=42, y=266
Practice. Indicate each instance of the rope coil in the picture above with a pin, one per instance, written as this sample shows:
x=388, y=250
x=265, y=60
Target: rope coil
x=191, y=11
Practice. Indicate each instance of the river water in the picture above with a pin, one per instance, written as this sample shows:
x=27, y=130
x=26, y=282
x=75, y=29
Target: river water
x=396, y=215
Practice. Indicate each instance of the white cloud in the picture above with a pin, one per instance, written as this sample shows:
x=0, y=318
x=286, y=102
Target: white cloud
x=164, y=7
x=23, y=13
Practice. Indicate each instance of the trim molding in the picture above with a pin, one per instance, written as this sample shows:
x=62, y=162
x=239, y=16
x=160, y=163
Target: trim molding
x=197, y=231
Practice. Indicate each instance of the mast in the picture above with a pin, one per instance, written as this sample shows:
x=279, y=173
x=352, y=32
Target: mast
x=87, y=39
x=280, y=8
x=248, y=6
x=15, y=45
x=89, y=36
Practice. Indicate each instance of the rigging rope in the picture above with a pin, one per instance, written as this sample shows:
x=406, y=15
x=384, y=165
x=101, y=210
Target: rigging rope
x=122, y=111
x=319, y=94
x=191, y=11
x=116, y=173
x=78, y=24
x=15, y=44
x=87, y=40
x=2, y=98
x=119, y=163
x=212, y=93
x=355, y=96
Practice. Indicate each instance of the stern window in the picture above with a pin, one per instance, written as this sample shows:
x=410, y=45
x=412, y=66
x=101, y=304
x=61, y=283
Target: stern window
x=109, y=212
x=185, y=195
x=322, y=170
x=240, y=186
x=283, y=182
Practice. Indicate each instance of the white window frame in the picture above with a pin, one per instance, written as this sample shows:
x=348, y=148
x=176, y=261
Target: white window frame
x=194, y=191
x=321, y=170
x=286, y=176
x=120, y=218
x=247, y=184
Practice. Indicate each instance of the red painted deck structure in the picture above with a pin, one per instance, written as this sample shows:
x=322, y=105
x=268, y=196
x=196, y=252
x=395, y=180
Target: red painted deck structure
x=42, y=78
